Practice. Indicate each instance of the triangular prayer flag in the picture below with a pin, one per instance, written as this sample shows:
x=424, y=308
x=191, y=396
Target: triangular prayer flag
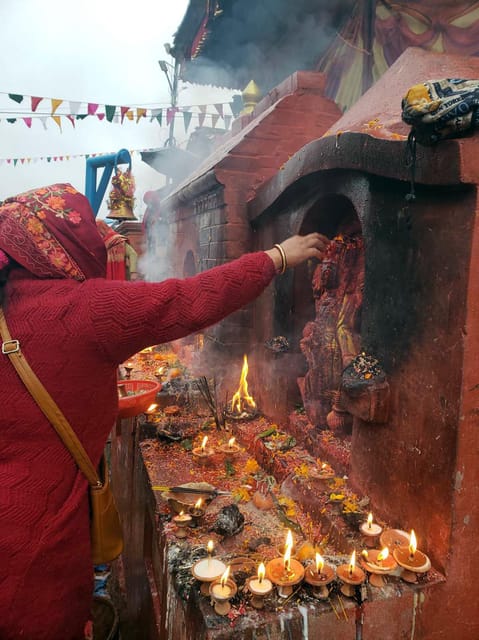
x=81, y=116
x=43, y=120
x=15, y=160
x=202, y=108
x=55, y=104
x=29, y=160
x=35, y=103
x=49, y=158
x=11, y=120
x=236, y=105
x=28, y=122
x=201, y=118
x=74, y=107
x=72, y=119
x=186, y=119
x=9, y=160
x=123, y=112
x=92, y=107
x=170, y=114
x=58, y=120
x=16, y=96
x=154, y=114
x=219, y=109
x=159, y=117
x=110, y=112
x=100, y=116
x=129, y=114
x=214, y=119
x=22, y=160
x=140, y=113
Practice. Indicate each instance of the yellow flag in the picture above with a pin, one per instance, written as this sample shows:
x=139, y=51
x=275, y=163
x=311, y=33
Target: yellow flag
x=55, y=104
x=129, y=114
x=58, y=120
x=140, y=113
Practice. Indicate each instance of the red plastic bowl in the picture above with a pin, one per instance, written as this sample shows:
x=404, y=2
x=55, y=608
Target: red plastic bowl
x=143, y=394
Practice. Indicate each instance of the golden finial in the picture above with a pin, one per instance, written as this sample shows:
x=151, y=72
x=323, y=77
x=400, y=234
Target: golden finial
x=251, y=96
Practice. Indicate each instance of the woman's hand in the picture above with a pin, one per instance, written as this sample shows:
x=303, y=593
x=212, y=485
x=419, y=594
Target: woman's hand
x=297, y=249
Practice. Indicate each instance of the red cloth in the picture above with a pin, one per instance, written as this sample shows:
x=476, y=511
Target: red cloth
x=75, y=335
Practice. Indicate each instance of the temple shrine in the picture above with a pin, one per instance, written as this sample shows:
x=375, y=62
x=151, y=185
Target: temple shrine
x=307, y=467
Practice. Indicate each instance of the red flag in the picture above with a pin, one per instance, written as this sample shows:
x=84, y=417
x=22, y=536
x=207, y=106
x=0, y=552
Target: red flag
x=92, y=107
x=35, y=103
x=123, y=111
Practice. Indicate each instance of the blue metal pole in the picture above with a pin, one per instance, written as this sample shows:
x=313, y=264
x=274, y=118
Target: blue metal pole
x=108, y=163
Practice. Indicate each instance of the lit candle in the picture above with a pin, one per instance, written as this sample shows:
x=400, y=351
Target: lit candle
x=203, y=444
x=222, y=590
x=261, y=585
x=370, y=521
x=231, y=442
x=319, y=564
x=412, y=545
x=352, y=564
x=370, y=531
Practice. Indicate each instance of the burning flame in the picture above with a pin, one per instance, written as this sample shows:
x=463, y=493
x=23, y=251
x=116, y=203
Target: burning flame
x=261, y=572
x=151, y=408
x=370, y=520
x=210, y=546
x=231, y=442
x=352, y=563
x=198, y=504
x=319, y=563
x=383, y=554
x=289, y=539
x=412, y=544
x=287, y=558
x=225, y=576
x=203, y=444
x=241, y=398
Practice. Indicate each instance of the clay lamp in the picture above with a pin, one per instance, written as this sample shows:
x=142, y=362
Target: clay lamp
x=150, y=413
x=208, y=569
x=371, y=532
x=412, y=561
x=350, y=575
x=288, y=543
x=221, y=591
x=231, y=449
x=319, y=575
x=378, y=563
x=128, y=366
x=203, y=454
x=259, y=588
x=285, y=573
x=146, y=354
x=197, y=512
x=182, y=521
x=324, y=472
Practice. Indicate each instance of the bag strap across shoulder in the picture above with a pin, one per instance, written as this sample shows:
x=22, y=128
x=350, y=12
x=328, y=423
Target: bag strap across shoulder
x=11, y=348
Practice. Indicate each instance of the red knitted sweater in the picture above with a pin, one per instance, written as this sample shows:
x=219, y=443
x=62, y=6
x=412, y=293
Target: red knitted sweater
x=74, y=336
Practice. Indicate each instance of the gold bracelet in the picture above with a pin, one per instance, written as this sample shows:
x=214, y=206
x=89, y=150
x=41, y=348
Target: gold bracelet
x=284, y=262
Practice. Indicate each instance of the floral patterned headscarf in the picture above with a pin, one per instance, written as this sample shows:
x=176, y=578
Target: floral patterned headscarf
x=52, y=233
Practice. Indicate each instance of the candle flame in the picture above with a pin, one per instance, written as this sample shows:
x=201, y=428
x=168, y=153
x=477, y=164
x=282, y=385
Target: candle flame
x=289, y=539
x=352, y=563
x=160, y=371
x=287, y=558
x=412, y=543
x=231, y=442
x=210, y=547
x=182, y=513
x=370, y=520
x=203, y=444
x=261, y=572
x=225, y=576
x=383, y=554
x=242, y=398
x=319, y=563
x=151, y=408
x=198, y=504
x=365, y=554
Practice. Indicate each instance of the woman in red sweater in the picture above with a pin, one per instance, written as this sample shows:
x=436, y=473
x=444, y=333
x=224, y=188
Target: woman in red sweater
x=75, y=328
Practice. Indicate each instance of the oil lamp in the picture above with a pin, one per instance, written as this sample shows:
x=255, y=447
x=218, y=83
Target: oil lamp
x=197, y=512
x=371, y=531
x=319, y=575
x=182, y=520
x=231, y=449
x=378, y=563
x=323, y=472
x=350, y=575
x=208, y=569
x=128, y=366
x=412, y=561
x=259, y=587
x=285, y=573
x=203, y=453
x=221, y=591
x=150, y=413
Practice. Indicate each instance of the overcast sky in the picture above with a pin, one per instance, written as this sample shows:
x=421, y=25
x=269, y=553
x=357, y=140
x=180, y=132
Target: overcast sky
x=97, y=51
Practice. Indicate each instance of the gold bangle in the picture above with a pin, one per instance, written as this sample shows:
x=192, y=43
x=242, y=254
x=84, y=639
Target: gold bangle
x=284, y=262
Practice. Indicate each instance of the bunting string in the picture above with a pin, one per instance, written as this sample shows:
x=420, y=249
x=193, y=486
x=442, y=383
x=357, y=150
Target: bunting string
x=63, y=158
